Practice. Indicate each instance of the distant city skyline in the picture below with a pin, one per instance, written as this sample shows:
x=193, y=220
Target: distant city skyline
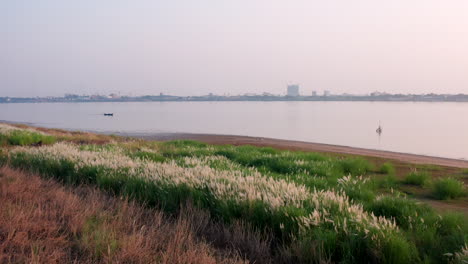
x=264, y=93
x=180, y=47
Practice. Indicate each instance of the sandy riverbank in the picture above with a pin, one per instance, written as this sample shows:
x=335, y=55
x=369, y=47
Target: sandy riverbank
x=304, y=146
x=294, y=145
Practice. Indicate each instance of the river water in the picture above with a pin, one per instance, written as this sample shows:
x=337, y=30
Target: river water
x=435, y=129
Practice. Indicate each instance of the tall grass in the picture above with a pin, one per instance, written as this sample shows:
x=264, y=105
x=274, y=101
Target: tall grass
x=25, y=138
x=43, y=222
x=320, y=207
x=388, y=168
x=432, y=235
x=398, y=208
x=448, y=188
x=355, y=166
x=286, y=208
x=419, y=178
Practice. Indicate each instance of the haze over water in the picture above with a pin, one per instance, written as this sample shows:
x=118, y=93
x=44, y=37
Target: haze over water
x=435, y=129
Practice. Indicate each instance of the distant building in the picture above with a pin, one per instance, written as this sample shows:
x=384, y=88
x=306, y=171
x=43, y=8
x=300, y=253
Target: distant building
x=293, y=90
x=376, y=93
x=326, y=93
x=314, y=93
x=71, y=96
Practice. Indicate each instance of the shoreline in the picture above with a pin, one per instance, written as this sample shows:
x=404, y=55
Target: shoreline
x=284, y=144
x=295, y=145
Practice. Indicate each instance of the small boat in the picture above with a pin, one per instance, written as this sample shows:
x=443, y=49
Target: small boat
x=379, y=130
x=109, y=114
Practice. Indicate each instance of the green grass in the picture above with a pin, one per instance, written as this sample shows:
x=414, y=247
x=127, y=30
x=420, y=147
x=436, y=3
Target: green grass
x=448, y=188
x=389, y=182
x=97, y=238
x=419, y=178
x=355, y=166
x=387, y=168
x=269, y=160
x=25, y=138
x=429, y=167
x=422, y=237
x=398, y=208
x=431, y=233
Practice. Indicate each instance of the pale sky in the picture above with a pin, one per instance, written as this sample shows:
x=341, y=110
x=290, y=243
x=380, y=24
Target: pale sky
x=188, y=47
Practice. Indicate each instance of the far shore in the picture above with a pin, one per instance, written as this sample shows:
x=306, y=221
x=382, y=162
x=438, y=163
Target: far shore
x=302, y=146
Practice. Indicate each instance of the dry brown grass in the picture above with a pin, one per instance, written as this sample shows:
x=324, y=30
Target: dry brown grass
x=43, y=222
x=239, y=237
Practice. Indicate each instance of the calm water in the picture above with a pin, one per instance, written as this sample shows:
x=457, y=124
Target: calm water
x=437, y=129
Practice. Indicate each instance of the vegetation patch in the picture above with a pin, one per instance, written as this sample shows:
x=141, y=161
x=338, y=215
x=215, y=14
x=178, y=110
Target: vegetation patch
x=448, y=188
x=44, y=222
x=387, y=168
x=98, y=237
x=419, y=178
x=17, y=137
x=320, y=207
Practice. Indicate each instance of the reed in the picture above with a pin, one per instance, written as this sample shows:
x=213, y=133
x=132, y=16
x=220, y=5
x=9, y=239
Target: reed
x=320, y=207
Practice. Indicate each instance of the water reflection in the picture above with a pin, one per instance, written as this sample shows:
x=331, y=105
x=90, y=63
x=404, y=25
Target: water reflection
x=340, y=123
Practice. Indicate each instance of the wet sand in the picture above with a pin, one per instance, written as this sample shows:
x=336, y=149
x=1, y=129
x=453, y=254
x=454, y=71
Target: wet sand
x=304, y=146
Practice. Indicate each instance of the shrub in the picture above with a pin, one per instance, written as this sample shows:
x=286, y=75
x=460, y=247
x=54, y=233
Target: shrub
x=417, y=178
x=387, y=168
x=448, y=188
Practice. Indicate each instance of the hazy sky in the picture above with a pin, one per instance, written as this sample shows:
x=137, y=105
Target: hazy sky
x=193, y=47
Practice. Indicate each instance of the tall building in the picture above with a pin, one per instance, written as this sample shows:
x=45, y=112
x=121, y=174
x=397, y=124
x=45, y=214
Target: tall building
x=314, y=93
x=326, y=93
x=293, y=90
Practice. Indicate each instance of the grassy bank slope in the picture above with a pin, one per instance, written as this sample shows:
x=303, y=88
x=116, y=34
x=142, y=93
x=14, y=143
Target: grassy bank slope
x=316, y=208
